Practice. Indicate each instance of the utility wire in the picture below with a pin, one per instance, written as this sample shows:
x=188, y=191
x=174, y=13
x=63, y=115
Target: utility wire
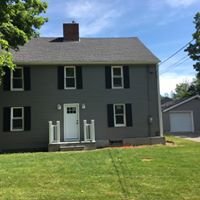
x=174, y=64
x=176, y=52
x=177, y=64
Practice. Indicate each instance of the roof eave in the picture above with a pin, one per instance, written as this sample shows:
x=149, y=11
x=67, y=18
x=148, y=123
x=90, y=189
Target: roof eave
x=180, y=103
x=83, y=62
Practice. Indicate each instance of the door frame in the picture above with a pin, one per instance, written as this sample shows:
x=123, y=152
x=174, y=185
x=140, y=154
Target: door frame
x=183, y=111
x=64, y=123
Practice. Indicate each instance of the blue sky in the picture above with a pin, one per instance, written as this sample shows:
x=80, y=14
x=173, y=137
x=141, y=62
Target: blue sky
x=164, y=26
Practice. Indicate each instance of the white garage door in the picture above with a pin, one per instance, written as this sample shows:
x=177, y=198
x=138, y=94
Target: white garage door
x=181, y=122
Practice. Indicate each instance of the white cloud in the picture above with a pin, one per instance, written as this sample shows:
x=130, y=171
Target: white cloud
x=94, y=16
x=168, y=81
x=156, y=5
x=178, y=3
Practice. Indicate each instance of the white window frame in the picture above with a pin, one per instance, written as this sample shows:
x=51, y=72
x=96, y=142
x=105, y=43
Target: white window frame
x=22, y=78
x=12, y=118
x=70, y=88
x=124, y=115
x=117, y=76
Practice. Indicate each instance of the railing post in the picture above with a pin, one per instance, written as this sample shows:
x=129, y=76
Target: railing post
x=50, y=132
x=85, y=129
x=92, y=132
x=58, y=130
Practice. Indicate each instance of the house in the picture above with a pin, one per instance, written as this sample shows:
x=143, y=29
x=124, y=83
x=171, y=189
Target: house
x=182, y=116
x=80, y=92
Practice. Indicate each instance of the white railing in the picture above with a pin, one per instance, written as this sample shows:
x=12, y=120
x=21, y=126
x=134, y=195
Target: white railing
x=54, y=132
x=89, y=131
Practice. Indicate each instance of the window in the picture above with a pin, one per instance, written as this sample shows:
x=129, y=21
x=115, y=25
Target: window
x=17, y=82
x=117, y=77
x=17, y=119
x=70, y=77
x=119, y=115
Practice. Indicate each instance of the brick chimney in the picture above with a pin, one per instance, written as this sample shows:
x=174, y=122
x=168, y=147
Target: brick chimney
x=71, y=32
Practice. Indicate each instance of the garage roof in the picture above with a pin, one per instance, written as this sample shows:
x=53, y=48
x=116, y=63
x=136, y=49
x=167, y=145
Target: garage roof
x=173, y=104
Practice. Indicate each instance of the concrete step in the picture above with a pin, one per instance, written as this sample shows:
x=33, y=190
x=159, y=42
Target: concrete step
x=71, y=148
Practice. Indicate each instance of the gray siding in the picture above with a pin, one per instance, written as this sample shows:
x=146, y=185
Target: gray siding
x=44, y=97
x=194, y=106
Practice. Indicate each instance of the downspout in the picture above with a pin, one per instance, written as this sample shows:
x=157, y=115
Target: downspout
x=159, y=102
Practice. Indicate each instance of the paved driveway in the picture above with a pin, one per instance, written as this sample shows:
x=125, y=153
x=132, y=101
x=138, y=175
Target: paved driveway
x=192, y=138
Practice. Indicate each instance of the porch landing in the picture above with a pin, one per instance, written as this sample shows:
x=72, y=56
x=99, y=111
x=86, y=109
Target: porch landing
x=71, y=146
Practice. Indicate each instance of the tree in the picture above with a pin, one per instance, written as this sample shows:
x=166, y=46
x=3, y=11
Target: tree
x=182, y=90
x=186, y=89
x=20, y=20
x=194, y=49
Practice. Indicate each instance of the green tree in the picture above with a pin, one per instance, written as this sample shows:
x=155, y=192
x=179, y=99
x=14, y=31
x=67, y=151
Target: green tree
x=20, y=20
x=186, y=89
x=182, y=91
x=194, y=48
x=194, y=87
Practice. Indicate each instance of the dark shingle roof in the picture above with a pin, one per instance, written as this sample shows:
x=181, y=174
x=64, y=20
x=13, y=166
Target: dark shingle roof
x=171, y=103
x=87, y=50
x=174, y=103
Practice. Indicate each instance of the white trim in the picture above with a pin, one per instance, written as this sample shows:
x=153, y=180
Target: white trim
x=182, y=102
x=22, y=78
x=124, y=115
x=183, y=111
x=159, y=102
x=12, y=118
x=114, y=76
x=78, y=116
x=70, y=88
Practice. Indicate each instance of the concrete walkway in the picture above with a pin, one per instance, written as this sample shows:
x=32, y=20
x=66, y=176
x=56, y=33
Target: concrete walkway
x=192, y=138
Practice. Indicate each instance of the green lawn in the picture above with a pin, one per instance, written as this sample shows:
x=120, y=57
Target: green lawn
x=153, y=172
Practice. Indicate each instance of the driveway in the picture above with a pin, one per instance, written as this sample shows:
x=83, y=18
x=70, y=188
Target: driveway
x=189, y=137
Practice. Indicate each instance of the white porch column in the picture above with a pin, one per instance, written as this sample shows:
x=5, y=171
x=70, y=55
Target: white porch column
x=92, y=126
x=50, y=132
x=58, y=130
x=85, y=129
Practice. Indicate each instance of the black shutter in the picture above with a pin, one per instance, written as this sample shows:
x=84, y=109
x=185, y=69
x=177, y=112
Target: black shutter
x=108, y=77
x=79, y=80
x=126, y=77
x=129, y=115
x=60, y=77
x=110, y=115
x=6, y=79
x=27, y=118
x=27, y=78
x=6, y=119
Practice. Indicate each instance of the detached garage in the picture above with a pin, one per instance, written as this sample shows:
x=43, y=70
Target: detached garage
x=182, y=116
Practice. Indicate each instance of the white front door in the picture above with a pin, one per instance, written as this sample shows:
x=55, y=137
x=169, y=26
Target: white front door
x=71, y=122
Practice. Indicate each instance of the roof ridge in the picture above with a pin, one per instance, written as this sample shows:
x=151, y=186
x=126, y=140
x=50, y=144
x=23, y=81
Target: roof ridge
x=134, y=37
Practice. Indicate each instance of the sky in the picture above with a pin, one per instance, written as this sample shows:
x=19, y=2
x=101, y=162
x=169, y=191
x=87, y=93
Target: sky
x=164, y=26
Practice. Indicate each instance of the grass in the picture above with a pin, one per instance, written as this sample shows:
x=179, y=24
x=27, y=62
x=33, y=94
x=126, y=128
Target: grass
x=148, y=173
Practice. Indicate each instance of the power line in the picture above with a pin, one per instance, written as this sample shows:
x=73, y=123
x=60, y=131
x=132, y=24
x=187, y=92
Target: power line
x=176, y=52
x=177, y=64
